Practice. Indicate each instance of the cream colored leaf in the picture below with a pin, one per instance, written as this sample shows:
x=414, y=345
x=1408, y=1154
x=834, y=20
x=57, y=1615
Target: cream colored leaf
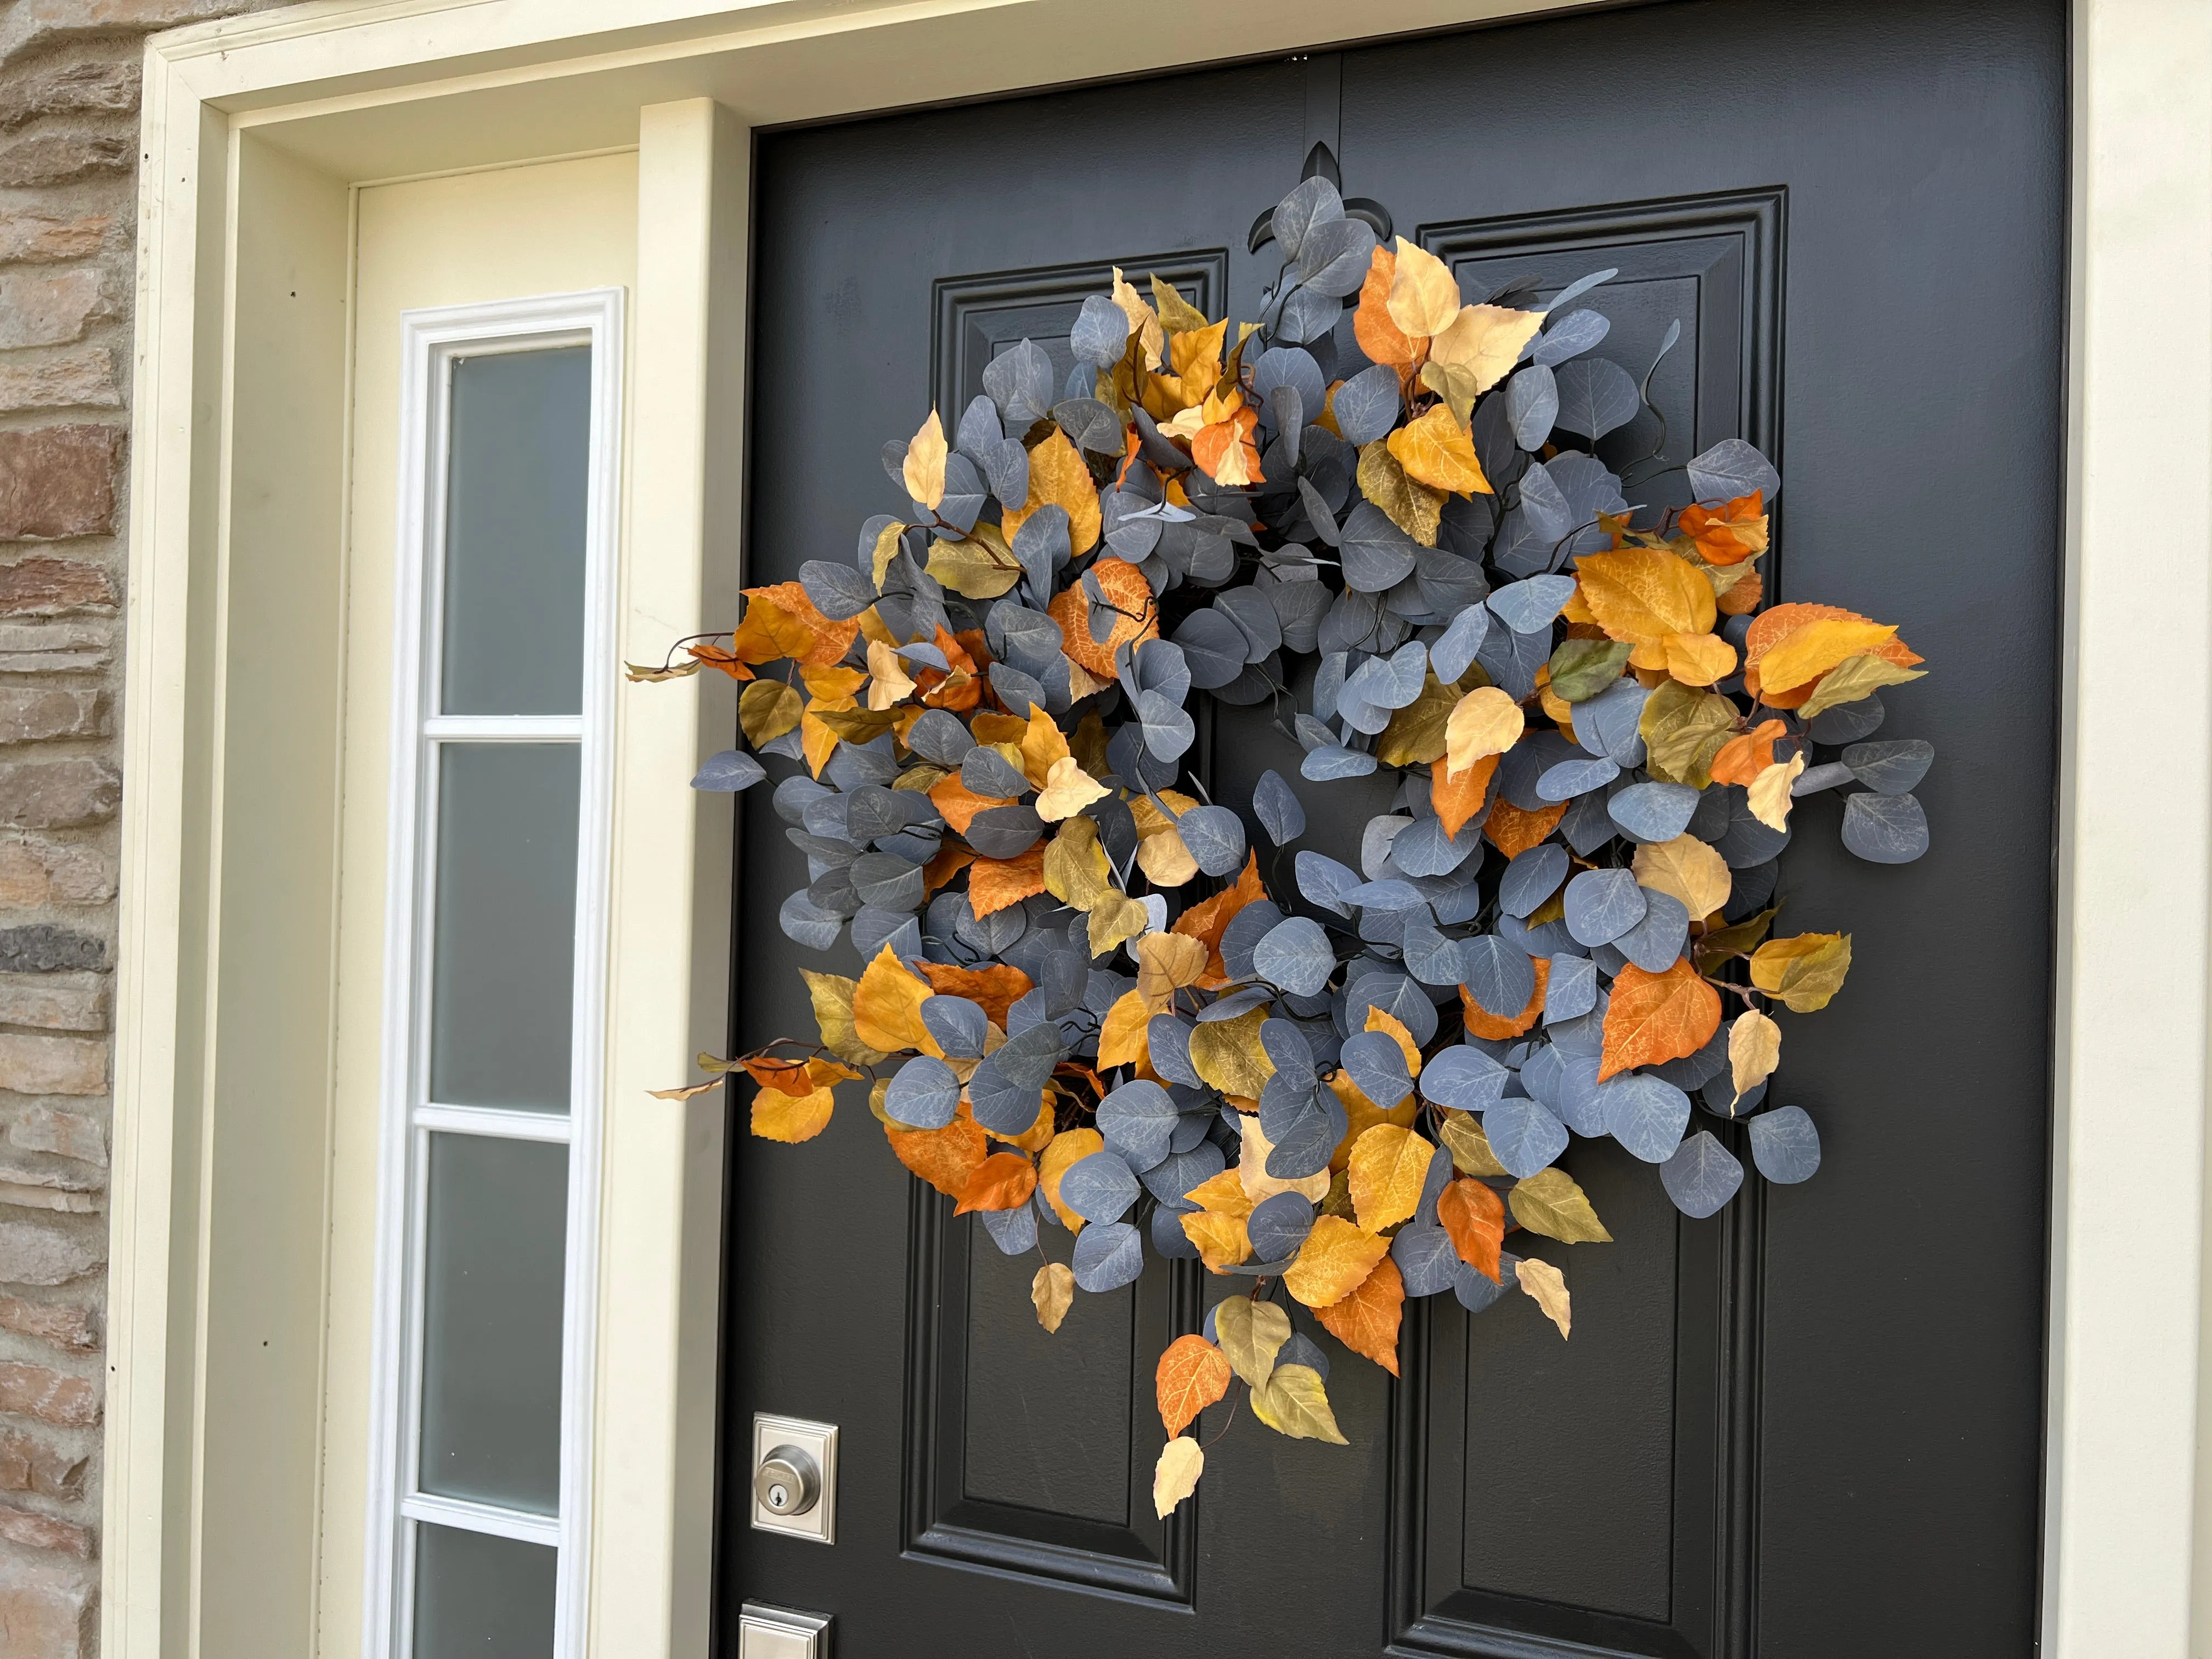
x=1687, y=869
x=1143, y=321
x=1485, y=721
x=1768, y=794
x=886, y=549
x=1424, y=298
x=1252, y=1169
x=889, y=682
x=1068, y=788
x=1052, y=1292
x=1250, y=1334
x=924, y=466
x=1754, y=1050
x=1174, y=1477
x=1544, y=1282
x=1293, y=1401
x=1485, y=341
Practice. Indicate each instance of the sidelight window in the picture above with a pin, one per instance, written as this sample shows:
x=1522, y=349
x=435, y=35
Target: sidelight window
x=495, y=928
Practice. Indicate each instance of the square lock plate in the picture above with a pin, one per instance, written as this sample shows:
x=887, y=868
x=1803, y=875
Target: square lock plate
x=816, y=1441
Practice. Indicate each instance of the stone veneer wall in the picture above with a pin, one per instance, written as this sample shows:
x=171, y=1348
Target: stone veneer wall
x=68, y=151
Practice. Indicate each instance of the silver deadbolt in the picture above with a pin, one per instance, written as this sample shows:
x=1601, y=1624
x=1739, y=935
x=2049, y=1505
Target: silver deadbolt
x=789, y=1481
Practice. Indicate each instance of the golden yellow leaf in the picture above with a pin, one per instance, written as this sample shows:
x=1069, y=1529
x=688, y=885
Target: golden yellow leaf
x=1251, y=1333
x=1362, y=1114
x=1485, y=721
x=1335, y=1257
x=817, y=741
x=1768, y=794
x=1417, y=733
x=1366, y=1322
x=1191, y=1375
x=1177, y=314
x=1699, y=658
x=889, y=682
x=1548, y=1287
x=780, y=1117
x=1069, y=1147
x=1642, y=594
x=1174, y=1477
x=1469, y=1146
x=1075, y=871
x=766, y=709
x=1413, y=507
x=1549, y=1202
x=1683, y=729
x=1121, y=1036
x=1052, y=1292
x=1395, y=1028
x=1252, y=1168
x=1165, y=963
x=1853, y=678
x=972, y=567
x=886, y=549
x=1807, y=653
x=832, y=996
x=1044, y=745
x=1687, y=869
x=1484, y=342
x=1424, y=298
x=1804, y=971
x=1221, y=1240
x=1116, y=919
x=1387, y=1169
x=1058, y=478
x=1754, y=1050
x=1223, y=1193
x=887, y=1007
x=1067, y=790
x=924, y=466
x=1436, y=450
x=1293, y=1402
x=1227, y=1054
x=1656, y=1018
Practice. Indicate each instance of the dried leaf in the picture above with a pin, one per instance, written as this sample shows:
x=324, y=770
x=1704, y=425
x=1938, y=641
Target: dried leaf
x=887, y=1007
x=1052, y=1292
x=1768, y=794
x=1335, y=1257
x=1754, y=1050
x=1136, y=616
x=886, y=549
x=1165, y=963
x=1436, y=450
x=1469, y=1146
x=945, y=1157
x=1381, y=338
x=1116, y=919
x=1003, y=1180
x=1069, y=1148
x=1699, y=658
x=924, y=466
x=780, y=1117
x=994, y=988
x=1741, y=759
x=1804, y=971
x=1223, y=1194
x=995, y=884
x=1413, y=507
x=1481, y=1023
x=1174, y=1477
x=1418, y=733
x=1513, y=831
x=1544, y=1282
x=1143, y=321
x=975, y=567
x=1122, y=1039
x=832, y=996
x=1656, y=1018
x=766, y=709
x=1067, y=790
x=1805, y=653
x=1228, y=1055
x=1484, y=723
x=1642, y=594
x=1251, y=1335
x=1367, y=1321
x=1731, y=533
x=1059, y=478
x=888, y=683
x=1683, y=729
x=1458, y=796
x=1484, y=341
x=1549, y=1202
x=1387, y=1168
x=1293, y=1402
x=1192, y=1374
x=1208, y=919
x=1687, y=869
x=1472, y=1217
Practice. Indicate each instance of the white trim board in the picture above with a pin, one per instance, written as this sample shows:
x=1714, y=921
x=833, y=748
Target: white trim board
x=247, y=119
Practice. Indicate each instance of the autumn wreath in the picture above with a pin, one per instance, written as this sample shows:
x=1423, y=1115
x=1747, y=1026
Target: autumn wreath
x=1084, y=1012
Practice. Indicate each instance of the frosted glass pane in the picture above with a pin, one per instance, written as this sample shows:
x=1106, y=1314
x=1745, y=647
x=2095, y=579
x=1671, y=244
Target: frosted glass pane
x=502, y=991
x=491, y=1321
x=481, y=1597
x=516, y=479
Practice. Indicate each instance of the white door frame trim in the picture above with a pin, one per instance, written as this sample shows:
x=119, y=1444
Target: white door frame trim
x=253, y=129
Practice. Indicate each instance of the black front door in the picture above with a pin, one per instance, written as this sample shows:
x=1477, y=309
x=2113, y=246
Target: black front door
x=1808, y=1427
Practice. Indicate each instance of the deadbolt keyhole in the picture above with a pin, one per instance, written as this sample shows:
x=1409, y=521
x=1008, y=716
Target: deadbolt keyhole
x=789, y=1481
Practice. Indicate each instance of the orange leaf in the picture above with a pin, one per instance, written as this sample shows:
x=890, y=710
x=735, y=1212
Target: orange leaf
x=947, y=1158
x=1221, y=1240
x=1741, y=759
x=1038, y=1135
x=780, y=1117
x=1743, y=597
x=820, y=642
x=1225, y=452
x=1193, y=1375
x=1333, y=1262
x=1513, y=831
x=1483, y=1023
x=949, y=861
x=994, y=883
x=1729, y=534
x=1379, y=1021
x=1656, y=1017
x=1458, y=798
x=996, y=988
x=1003, y=1180
x=1366, y=1322
x=1137, y=617
x=1475, y=1217
x=1058, y=478
x=887, y=1007
x=1382, y=340
x=1122, y=1037
x=1209, y=919
x=1774, y=626
x=1069, y=1148
x=960, y=804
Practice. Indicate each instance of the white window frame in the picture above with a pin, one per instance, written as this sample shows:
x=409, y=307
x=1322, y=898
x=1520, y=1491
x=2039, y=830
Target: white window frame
x=432, y=341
